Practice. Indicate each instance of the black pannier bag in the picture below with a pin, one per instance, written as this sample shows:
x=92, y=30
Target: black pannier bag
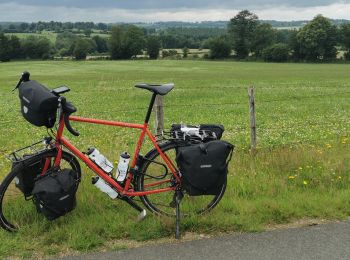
x=203, y=166
x=203, y=132
x=25, y=179
x=54, y=194
x=38, y=104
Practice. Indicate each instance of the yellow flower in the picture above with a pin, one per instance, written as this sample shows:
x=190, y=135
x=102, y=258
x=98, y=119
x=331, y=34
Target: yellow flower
x=291, y=177
x=339, y=177
x=305, y=182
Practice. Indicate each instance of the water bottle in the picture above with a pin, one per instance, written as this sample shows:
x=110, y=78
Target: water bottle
x=104, y=187
x=100, y=160
x=123, y=166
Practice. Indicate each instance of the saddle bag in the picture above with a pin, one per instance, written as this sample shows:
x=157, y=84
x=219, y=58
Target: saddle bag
x=203, y=132
x=204, y=166
x=54, y=193
x=38, y=104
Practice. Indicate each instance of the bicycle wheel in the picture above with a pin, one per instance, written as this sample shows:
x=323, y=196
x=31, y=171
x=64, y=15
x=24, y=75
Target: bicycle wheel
x=164, y=203
x=15, y=209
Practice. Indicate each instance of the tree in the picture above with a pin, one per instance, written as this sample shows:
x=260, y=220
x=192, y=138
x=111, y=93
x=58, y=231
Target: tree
x=65, y=43
x=241, y=29
x=317, y=40
x=278, y=52
x=345, y=39
x=185, y=52
x=15, y=47
x=153, y=46
x=126, y=42
x=219, y=48
x=81, y=49
x=101, y=44
x=36, y=47
x=4, y=48
x=264, y=36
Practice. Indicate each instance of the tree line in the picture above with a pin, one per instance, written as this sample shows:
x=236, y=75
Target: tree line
x=316, y=41
x=246, y=38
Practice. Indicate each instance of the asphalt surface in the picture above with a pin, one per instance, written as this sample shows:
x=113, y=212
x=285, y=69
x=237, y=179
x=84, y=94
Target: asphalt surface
x=327, y=241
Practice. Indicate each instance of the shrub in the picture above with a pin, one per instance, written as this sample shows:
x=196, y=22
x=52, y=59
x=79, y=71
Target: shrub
x=276, y=53
x=219, y=48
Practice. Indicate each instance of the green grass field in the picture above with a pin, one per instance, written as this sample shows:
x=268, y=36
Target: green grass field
x=301, y=169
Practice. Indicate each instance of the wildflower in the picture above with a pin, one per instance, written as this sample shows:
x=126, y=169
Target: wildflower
x=305, y=182
x=291, y=177
x=339, y=177
x=300, y=168
x=328, y=146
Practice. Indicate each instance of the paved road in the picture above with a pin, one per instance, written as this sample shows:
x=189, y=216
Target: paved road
x=328, y=241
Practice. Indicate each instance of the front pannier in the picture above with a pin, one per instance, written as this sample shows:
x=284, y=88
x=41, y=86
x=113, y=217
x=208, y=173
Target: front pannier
x=38, y=104
x=204, y=166
x=54, y=194
x=26, y=178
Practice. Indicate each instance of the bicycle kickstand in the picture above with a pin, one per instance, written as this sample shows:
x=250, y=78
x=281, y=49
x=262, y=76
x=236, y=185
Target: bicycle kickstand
x=178, y=197
x=133, y=204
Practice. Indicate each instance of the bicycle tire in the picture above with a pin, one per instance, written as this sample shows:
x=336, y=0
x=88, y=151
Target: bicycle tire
x=15, y=210
x=160, y=203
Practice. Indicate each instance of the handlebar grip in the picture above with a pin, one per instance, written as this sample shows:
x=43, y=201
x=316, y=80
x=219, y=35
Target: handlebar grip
x=68, y=125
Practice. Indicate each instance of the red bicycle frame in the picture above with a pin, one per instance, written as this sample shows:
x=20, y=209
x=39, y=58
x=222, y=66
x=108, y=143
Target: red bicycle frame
x=126, y=189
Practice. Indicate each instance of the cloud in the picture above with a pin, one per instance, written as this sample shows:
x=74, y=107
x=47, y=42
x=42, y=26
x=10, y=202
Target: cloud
x=171, y=4
x=36, y=12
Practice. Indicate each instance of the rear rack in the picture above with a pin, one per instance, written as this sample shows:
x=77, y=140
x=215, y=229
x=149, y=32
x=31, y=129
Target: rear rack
x=30, y=150
x=179, y=136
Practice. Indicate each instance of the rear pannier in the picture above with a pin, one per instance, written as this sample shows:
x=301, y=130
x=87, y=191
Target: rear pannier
x=38, y=104
x=204, y=166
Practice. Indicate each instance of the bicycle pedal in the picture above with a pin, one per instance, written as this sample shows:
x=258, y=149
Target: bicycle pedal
x=142, y=215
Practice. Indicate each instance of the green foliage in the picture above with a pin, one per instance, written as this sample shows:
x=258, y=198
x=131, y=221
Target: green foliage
x=345, y=39
x=4, y=48
x=126, y=42
x=15, y=47
x=278, y=52
x=185, y=52
x=153, y=46
x=81, y=49
x=241, y=29
x=219, y=48
x=65, y=43
x=36, y=47
x=101, y=44
x=264, y=36
x=317, y=40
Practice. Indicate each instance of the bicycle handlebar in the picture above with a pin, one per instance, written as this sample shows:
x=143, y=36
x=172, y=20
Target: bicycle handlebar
x=68, y=125
x=68, y=109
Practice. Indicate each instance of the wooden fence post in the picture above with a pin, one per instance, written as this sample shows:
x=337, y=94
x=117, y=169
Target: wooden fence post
x=159, y=114
x=252, y=119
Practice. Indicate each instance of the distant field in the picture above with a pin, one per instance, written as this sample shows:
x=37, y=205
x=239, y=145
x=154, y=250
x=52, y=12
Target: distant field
x=50, y=35
x=301, y=170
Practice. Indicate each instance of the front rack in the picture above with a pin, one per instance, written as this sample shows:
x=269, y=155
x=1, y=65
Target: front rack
x=30, y=150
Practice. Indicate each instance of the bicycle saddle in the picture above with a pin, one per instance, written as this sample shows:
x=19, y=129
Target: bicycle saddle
x=156, y=88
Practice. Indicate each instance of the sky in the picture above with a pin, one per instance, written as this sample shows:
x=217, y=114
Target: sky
x=165, y=10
